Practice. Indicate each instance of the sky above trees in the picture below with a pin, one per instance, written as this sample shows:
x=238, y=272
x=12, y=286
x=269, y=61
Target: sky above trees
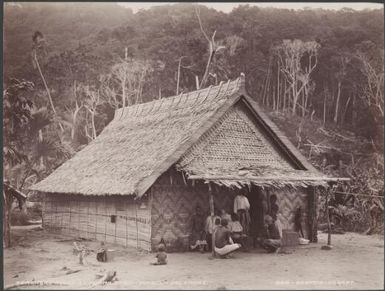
x=228, y=7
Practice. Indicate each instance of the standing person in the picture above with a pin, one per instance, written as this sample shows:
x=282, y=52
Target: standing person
x=298, y=221
x=223, y=242
x=241, y=208
x=212, y=221
x=274, y=208
x=198, y=234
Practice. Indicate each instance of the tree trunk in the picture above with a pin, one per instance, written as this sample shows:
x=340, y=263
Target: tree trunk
x=278, y=84
x=47, y=89
x=354, y=113
x=178, y=76
x=284, y=96
x=345, y=110
x=197, y=82
x=207, y=70
x=7, y=206
x=337, y=102
x=294, y=91
x=124, y=92
x=93, y=124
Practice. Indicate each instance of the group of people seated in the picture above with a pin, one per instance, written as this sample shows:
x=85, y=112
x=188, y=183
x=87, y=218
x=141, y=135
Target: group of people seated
x=226, y=228
x=231, y=231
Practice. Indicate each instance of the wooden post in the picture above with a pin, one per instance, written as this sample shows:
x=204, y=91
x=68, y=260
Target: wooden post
x=79, y=205
x=116, y=220
x=211, y=202
x=96, y=218
x=88, y=216
x=328, y=218
x=136, y=222
x=312, y=218
x=127, y=214
x=70, y=225
x=43, y=210
x=105, y=221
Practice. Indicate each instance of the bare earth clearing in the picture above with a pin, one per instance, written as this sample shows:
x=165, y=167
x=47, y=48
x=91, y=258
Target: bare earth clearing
x=356, y=262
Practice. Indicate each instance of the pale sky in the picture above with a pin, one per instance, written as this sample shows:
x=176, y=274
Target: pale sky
x=227, y=7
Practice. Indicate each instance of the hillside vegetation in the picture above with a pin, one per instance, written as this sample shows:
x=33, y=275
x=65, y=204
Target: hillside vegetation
x=320, y=74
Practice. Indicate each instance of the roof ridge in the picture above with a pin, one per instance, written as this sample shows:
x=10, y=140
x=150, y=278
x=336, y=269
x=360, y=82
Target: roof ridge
x=176, y=101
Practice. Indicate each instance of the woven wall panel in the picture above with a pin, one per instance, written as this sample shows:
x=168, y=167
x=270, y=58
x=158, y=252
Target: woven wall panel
x=173, y=205
x=90, y=217
x=288, y=201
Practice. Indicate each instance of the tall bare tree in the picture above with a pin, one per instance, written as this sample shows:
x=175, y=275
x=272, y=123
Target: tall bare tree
x=373, y=70
x=213, y=49
x=38, y=44
x=291, y=53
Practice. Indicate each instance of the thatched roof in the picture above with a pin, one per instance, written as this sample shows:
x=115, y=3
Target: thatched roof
x=143, y=141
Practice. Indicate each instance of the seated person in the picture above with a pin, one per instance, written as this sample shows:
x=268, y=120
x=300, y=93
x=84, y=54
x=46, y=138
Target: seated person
x=225, y=215
x=272, y=241
x=161, y=256
x=236, y=230
x=224, y=245
x=101, y=253
x=198, y=233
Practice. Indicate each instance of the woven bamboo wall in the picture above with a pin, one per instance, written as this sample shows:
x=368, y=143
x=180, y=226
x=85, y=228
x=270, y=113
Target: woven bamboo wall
x=289, y=200
x=173, y=205
x=90, y=217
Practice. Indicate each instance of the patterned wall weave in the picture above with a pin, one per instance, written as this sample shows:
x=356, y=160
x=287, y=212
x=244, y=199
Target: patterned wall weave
x=288, y=201
x=174, y=203
x=233, y=143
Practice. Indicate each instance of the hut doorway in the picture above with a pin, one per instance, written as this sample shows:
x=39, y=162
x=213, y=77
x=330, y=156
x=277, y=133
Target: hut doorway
x=258, y=208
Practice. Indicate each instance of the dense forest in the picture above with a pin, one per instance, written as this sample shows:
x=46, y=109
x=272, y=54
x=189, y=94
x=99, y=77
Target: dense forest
x=320, y=74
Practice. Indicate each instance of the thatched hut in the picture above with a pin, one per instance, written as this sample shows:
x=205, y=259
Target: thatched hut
x=141, y=178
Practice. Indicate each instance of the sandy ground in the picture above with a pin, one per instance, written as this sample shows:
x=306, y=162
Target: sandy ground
x=355, y=262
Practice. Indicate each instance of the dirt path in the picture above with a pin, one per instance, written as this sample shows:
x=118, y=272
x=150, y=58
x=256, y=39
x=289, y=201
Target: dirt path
x=356, y=262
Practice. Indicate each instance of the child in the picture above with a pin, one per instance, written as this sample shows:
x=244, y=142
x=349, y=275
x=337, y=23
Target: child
x=101, y=254
x=161, y=256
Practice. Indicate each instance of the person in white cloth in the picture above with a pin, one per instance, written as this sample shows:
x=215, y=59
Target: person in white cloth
x=241, y=208
x=210, y=226
x=224, y=245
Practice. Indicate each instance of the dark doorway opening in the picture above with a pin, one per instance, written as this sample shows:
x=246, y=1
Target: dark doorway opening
x=259, y=206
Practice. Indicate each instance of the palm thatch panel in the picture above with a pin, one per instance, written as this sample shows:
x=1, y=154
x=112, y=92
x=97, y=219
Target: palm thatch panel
x=137, y=142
